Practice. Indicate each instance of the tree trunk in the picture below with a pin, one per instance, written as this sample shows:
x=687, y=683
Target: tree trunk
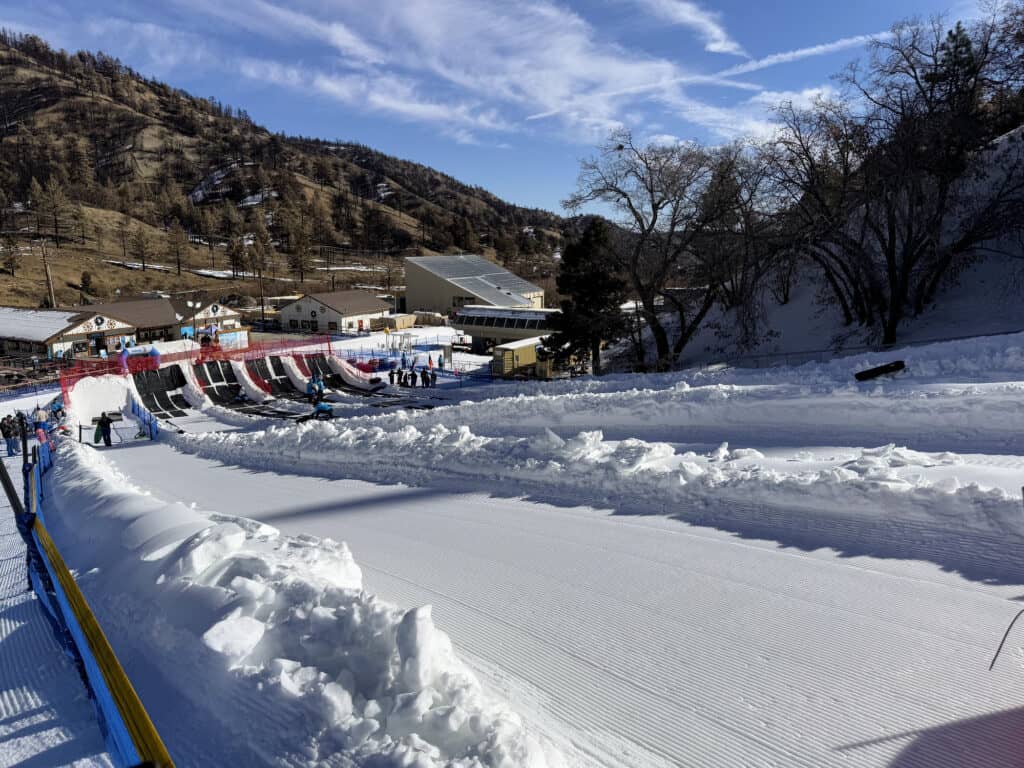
x=595, y=356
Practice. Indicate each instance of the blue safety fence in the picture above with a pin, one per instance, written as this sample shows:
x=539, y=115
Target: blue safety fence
x=127, y=729
x=149, y=422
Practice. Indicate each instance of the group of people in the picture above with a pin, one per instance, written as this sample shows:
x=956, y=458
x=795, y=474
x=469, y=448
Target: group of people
x=13, y=427
x=412, y=378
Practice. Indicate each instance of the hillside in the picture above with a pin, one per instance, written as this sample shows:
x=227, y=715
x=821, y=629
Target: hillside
x=104, y=165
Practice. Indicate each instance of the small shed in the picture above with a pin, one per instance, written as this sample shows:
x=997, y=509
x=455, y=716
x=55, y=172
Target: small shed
x=516, y=357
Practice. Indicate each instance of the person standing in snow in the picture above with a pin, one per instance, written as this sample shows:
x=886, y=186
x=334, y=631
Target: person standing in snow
x=391, y=376
x=433, y=379
x=440, y=361
x=10, y=435
x=40, y=417
x=104, y=424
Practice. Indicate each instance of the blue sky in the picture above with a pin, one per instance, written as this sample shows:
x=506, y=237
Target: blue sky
x=505, y=95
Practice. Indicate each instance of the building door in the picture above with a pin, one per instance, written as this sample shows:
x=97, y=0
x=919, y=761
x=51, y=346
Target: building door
x=98, y=342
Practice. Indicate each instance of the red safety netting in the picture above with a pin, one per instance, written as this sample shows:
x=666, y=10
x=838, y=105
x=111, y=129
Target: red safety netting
x=71, y=375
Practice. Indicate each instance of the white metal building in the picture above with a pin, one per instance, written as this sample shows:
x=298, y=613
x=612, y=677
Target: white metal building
x=446, y=283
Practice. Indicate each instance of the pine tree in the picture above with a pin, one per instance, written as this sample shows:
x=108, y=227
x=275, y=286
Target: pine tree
x=177, y=242
x=38, y=200
x=12, y=254
x=237, y=255
x=140, y=245
x=593, y=296
x=300, y=258
x=57, y=207
x=123, y=231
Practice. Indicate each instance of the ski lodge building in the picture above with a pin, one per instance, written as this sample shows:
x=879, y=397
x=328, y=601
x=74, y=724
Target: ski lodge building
x=95, y=330
x=338, y=311
x=56, y=333
x=447, y=283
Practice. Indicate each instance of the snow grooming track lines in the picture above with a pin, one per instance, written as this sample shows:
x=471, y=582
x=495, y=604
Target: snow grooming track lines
x=45, y=712
x=588, y=623
x=298, y=664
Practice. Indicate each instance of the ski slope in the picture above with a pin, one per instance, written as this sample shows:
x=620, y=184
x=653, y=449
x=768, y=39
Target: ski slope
x=644, y=641
x=708, y=568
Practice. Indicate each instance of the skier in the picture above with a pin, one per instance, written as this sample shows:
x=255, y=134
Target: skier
x=103, y=429
x=433, y=379
x=412, y=377
x=440, y=361
x=391, y=376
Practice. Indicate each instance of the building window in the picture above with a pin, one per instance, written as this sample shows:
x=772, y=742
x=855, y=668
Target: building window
x=332, y=326
x=294, y=323
x=314, y=325
x=305, y=324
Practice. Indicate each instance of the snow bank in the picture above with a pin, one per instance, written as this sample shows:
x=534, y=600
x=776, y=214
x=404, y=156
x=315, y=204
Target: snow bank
x=93, y=395
x=631, y=475
x=253, y=648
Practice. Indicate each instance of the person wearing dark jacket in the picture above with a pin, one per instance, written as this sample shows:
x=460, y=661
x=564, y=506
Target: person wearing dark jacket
x=104, y=424
x=412, y=377
x=433, y=379
x=9, y=430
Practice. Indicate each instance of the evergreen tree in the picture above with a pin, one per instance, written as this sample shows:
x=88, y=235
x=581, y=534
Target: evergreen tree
x=593, y=295
x=177, y=242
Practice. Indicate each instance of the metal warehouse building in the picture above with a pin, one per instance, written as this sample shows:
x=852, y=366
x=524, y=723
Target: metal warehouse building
x=446, y=283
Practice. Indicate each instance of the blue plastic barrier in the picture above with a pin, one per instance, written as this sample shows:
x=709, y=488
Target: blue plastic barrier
x=127, y=729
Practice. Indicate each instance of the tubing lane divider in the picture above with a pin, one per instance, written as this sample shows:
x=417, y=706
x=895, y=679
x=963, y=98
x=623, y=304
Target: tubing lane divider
x=131, y=738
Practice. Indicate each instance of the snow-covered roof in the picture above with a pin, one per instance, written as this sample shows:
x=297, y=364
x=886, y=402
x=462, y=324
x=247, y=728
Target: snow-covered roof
x=35, y=324
x=533, y=341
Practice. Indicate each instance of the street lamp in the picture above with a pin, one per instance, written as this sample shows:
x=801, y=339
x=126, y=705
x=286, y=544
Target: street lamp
x=194, y=306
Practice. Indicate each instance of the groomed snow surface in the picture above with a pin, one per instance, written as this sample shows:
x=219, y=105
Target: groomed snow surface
x=714, y=567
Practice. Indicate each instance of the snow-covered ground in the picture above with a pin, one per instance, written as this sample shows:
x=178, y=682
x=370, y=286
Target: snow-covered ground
x=713, y=567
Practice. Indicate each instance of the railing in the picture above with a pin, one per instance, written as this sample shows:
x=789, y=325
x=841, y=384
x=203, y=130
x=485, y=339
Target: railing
x=148, y=421
x=128, y=731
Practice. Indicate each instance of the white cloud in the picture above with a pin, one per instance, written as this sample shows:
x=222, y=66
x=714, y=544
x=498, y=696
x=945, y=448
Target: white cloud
x=706, y=23
x=857, y=41
x=160, y=49
x=273, y=21
x=379, y=93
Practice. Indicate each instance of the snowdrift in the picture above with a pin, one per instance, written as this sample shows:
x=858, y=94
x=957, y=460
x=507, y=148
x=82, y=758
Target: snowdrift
x=253, y=648
x=630, y=475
